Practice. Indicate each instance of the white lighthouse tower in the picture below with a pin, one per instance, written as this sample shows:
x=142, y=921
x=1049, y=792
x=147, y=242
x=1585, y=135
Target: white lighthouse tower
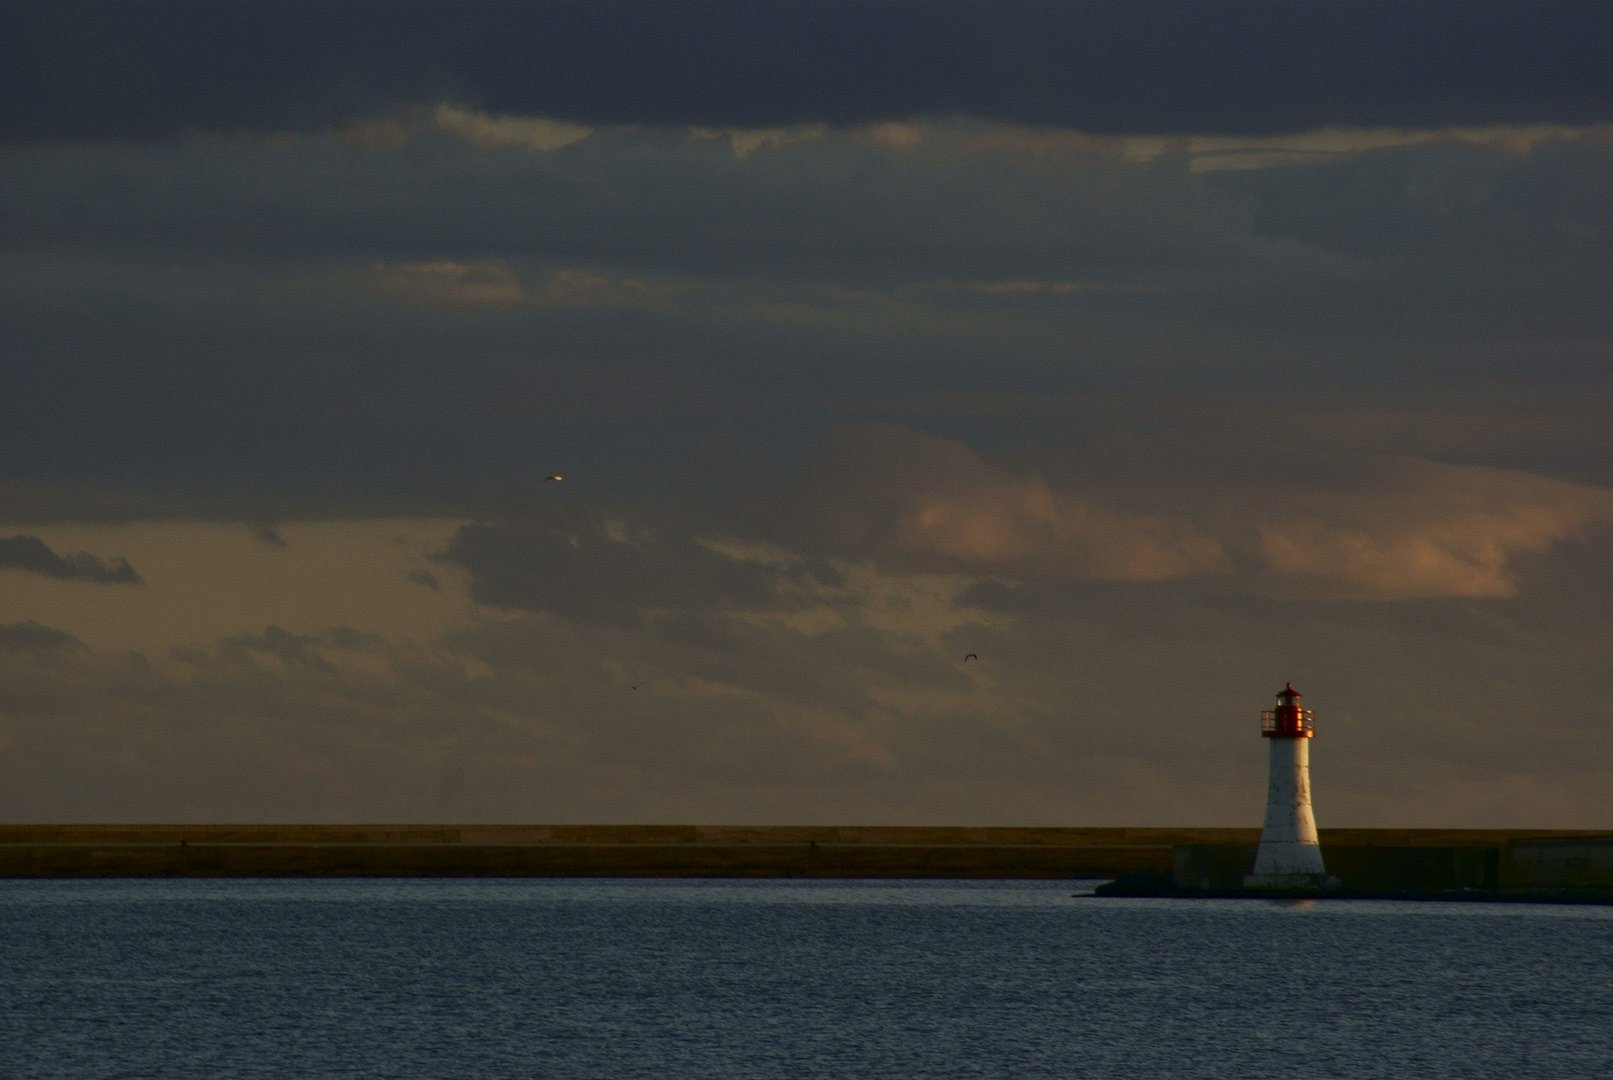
x=1289, y=856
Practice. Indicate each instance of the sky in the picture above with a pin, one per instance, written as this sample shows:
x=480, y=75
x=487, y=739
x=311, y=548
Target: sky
x=1155, y=352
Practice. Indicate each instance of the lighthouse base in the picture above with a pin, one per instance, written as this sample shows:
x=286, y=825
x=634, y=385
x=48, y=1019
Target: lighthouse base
x=1298, y=882
x=1287, y=865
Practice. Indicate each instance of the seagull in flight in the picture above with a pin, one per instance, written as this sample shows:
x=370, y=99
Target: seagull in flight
x=553, y=478
x=971, y=656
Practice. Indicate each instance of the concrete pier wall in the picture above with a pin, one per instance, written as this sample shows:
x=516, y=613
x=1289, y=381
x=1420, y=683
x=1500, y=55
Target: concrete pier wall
x=402, y=850
x=1424, y=861
x=1559, y=862
x=581, y=850
x=1368, y=867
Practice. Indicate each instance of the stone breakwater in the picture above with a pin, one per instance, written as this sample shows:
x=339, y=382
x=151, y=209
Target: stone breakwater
x=169, y=850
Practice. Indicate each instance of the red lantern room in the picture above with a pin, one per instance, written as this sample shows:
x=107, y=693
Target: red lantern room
x=1288, y=720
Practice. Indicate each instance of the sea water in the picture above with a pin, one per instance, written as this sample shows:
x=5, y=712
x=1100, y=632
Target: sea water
x=614, y=978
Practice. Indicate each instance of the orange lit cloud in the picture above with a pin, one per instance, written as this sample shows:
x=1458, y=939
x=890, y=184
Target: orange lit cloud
x=907, y=495
x=1424, y=530
x=1400, y=529
x=535, y=133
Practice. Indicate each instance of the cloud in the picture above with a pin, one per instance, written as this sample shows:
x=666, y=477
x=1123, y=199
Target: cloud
x=299, y=651
x=1239, y=514
x=443, y=282
x=493, y=284
x=530, y=133
x=914, y=500
x=30, y=636
x=1023, y=293
x=1107, y=65
x=1094, y=703
x=1209, y=153
x=586, y=564
x=1158, y=437
x=643, y=271
x=1033, y=288
x=1421, y=529
x=424, y=578
x=267, y=533
x=1243, y=516
x=664, y=665
x=688, y=714
x=24, y=552
x=747, y=141
x=1344, y=527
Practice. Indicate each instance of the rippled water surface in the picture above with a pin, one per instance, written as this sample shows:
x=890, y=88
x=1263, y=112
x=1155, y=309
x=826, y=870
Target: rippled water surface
x=784, y=979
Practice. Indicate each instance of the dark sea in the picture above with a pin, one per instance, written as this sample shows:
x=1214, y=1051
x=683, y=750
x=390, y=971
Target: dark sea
x=614, y=978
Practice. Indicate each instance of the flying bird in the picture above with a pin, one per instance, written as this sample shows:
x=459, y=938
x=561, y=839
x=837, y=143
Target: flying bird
x=554, y=478
x=971, y=656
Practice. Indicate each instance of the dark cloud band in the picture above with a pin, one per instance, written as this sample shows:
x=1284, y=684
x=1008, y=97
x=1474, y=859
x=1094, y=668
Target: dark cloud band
x=30, y=636
x=24, y=552
x=102, y=68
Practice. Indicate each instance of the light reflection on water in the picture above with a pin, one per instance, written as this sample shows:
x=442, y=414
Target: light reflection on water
x=625, y=978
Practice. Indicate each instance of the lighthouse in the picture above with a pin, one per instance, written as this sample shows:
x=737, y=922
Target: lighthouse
x=1289, y=856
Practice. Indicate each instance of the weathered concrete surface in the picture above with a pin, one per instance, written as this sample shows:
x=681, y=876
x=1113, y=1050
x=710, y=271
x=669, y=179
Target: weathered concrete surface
x=1476, y=860
x=400, y=850
x=1559, y=862
x=577, y=850
x=1370, y=867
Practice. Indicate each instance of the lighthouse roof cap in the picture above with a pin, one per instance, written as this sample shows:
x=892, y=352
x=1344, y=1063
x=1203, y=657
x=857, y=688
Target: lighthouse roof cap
x=1289, y=691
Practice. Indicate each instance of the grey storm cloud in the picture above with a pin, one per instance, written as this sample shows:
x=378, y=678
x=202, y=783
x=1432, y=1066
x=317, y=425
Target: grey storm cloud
x=102, y=68
x=621, y=224
x=386, y=309
x=414, y=311
x=653, y=202
x=24, y=552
